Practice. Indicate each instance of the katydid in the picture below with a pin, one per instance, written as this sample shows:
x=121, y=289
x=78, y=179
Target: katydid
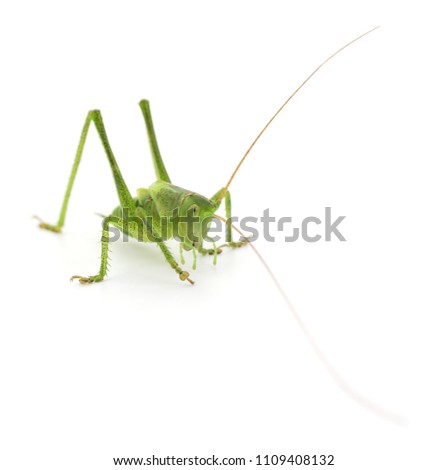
x=152, y=214
x=149, y=217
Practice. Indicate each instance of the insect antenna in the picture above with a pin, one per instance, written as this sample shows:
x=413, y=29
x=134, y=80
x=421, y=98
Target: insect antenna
x=284, y=105
x=338, y=379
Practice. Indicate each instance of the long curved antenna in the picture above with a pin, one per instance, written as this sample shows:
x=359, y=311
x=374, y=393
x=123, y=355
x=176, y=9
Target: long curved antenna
x=284, y=105
x=338, y=379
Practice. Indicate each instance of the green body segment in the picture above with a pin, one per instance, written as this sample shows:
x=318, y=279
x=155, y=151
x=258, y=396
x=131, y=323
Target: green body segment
x=158, y=213
x=161, y=208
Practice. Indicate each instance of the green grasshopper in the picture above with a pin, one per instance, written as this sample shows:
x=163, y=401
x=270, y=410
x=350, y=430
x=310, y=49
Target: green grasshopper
x=163, y=211
x=150, y=217
x=158, y=213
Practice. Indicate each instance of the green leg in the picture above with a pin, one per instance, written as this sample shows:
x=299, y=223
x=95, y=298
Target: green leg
x=104, y=255
x=159, y=166
x=184, y=275
x=228, y=229
x=138, y=231
x=141, y=231
x=125, y=198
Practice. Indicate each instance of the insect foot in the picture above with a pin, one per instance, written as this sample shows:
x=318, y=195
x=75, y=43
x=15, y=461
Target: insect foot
x=88, y=279
x=184, y=276
x=230, y=245
x=44, y=225
x=218, y=251
x=238, y=244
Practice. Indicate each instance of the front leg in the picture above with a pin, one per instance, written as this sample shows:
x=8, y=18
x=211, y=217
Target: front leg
x=184, y=275
x=228, y=228
x=104, y=256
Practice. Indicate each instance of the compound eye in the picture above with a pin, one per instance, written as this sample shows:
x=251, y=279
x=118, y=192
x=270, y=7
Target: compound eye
x=194, y=209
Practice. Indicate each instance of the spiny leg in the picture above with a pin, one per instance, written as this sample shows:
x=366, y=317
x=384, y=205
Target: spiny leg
x=184, y=275
x=104, y=255
x=142, y=228
x=125, y=198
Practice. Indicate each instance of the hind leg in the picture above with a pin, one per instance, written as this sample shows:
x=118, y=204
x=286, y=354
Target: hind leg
x=124, y=196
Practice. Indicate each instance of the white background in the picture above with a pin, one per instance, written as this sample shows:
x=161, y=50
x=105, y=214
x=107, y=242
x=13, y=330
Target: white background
x=143, y=364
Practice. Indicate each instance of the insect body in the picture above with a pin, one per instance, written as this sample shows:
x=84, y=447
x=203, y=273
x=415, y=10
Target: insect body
x=158, y=213
x=164, y=211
